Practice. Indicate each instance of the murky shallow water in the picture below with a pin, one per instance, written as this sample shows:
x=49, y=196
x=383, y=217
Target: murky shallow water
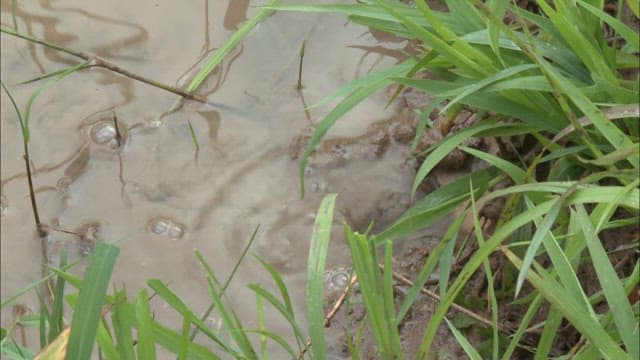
x=154, y=196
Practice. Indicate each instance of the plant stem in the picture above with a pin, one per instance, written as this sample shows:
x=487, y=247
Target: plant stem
x=41, y=228
x=95, y=60
x=300, y=66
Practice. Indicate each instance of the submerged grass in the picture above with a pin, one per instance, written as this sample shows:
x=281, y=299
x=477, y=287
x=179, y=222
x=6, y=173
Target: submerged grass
x=554, y=76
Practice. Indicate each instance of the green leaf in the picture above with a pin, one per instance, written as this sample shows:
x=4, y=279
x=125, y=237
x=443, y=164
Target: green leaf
x=146, y=348
x=471, y=352
x=630, y=36
x=315, y=274
x=587, y=325
x=233, y=41
x=86, y=315
x=53, y=80
x=623, y=314
x=122, y=318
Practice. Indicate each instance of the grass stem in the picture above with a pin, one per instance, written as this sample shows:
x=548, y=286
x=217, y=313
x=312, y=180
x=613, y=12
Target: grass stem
x=95, y=60
x=300, y=65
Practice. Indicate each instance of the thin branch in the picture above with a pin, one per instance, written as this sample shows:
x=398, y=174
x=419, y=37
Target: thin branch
x=332, y=313
x=401, y=278
x=95, y=60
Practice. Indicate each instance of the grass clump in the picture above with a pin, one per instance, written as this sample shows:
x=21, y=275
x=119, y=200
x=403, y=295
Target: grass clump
x=557, y=74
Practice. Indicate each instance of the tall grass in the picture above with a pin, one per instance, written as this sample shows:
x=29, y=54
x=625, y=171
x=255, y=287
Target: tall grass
x=555, y=76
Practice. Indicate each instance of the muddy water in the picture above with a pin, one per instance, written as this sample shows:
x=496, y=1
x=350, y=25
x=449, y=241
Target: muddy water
x=155, y=196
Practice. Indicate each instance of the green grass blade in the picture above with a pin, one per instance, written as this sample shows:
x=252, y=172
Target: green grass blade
x=477, y=86
x=122, y=318
x=442, y=149
x=389, y=304
x=171, y=341
x=437, y=204
x=623, y=314
x=634, y=6
x=279, y=306
x=458, y=58
x=315, y=274
x=288, y=306
x=56, y=321
x=472, y=265
x=233, y=41
x=579, y=43
x=145, y=348
x=229, y=278
x=586, y=324
x=514, y=172
x=261, y=327
x=612, y=133
x=277, y=339
x=630, y=36
x=86, y=315
x=427, y=268
x=543, y=229
x=471, y=352
x=348, y=103
x=549, y=334
x=343, y=107
x=176, y=303
x=53, y=80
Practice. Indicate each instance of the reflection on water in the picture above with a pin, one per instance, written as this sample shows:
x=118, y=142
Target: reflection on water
x=152, y=191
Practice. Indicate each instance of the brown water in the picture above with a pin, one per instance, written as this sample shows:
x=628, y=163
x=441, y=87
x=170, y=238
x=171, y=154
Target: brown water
x=243, y=175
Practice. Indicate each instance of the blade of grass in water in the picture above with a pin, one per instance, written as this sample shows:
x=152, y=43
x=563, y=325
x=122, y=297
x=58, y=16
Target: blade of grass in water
x=228, y=281
x=51, y=81
x=315, y=274
x=233, y=41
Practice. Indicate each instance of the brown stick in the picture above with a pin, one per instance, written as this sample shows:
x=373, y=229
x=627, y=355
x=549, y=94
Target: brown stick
x=95, y=60
x=333, y=312
x=401, y=278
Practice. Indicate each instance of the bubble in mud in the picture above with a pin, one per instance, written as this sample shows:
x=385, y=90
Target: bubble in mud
x=335, y=282
x=159, y=226
x=105, y=134
x=175, y=231
x=340, y=279
x=166, y=226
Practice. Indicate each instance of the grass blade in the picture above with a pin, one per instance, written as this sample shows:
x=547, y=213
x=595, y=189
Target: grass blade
x=472, y=353
x=145, y=347
x=315, y=274
x=86, y=315
x=233, y=41
x=582, y=320
x=612, y=287
x=122, y=319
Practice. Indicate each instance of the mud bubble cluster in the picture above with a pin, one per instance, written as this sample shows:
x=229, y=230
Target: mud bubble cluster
x=164, y=226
